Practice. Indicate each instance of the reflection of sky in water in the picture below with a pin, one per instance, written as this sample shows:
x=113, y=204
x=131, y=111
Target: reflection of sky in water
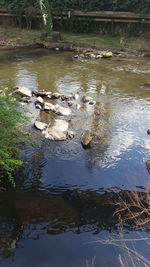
x=26, y=78
x=68, y=84
x=129, y=124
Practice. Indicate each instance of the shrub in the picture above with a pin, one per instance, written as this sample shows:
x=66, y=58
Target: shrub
x=11, y=137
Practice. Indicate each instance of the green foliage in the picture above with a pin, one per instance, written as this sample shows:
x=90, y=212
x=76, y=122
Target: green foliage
x=139, y=6
x=24, y=7
x=11, y=137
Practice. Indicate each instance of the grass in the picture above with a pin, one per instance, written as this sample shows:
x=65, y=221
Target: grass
x=19, y=36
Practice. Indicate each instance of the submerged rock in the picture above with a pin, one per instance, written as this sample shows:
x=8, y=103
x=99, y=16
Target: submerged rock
x=148, y=165
x=87, y=99
x=86, y=139
x=40, y=125
x=146, y=84
x=56, y=95
x=70, y=103
x=24, y=91
x=67, y=97
x=26, y=99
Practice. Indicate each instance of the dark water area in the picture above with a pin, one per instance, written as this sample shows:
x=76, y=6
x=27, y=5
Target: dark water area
x=60, y=212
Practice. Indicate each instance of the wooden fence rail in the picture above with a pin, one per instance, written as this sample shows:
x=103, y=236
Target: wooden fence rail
x=107, y=16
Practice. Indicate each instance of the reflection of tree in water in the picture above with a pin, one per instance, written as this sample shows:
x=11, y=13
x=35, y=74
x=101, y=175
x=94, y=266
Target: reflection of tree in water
x=32, y=173
x=29, y=215
x=100, y=130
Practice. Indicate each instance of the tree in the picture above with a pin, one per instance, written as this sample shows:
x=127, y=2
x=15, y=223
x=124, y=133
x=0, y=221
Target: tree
x=46, y=15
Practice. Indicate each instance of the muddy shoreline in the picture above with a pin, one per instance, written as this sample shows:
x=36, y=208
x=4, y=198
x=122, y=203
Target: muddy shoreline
x=76, y=49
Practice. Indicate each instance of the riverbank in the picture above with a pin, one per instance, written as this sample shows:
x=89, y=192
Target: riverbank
x=16, y=37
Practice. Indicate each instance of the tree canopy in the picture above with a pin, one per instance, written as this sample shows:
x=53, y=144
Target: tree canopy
x=138, y=6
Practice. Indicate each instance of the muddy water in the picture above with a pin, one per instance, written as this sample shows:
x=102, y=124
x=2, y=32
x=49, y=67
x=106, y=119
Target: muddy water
x=57, y=215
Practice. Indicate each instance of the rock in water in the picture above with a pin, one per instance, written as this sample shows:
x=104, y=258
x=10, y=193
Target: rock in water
x=24, y=91
x=61, y=125
x=62, y=111
x=57, y=131
x=148, y=165
x=42, y=93
x=56, y=95
x=76, y=96
x=38, y=106
x=55, y=135
x=67, y=97
x=70, y=103
x=107, y=55
x=40, y=125
x=48, y=106
x=40, y=100
x=92, y=102
x=78, y=106
x=70, y=135
x=86, y=139
x=87, y=99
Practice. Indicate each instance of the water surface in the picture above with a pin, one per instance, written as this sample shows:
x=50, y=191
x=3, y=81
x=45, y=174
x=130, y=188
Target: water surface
x=56, y=211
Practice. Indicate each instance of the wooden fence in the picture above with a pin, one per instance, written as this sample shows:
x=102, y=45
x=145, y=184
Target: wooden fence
x=121, y=17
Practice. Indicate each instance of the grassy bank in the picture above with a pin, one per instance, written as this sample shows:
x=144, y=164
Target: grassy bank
x=17, y=36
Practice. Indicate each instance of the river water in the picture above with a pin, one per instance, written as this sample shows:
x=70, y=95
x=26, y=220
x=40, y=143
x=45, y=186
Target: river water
x=56, y=216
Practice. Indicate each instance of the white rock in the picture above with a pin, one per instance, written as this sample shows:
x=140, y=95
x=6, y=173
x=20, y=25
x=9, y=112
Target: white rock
x=76, y=96
x=99, y=56
x=40, y=125
x=92, y=55
x=40, y=100
x=62, y=111
x=53, y=135
x=38, y=106
x=49, y=106
x=70, y=135
x=61, y=125
x=24, y=91
x=57, y=131
x=78, y=106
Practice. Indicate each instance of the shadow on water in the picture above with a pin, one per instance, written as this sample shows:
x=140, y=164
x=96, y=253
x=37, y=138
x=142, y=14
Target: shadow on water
x=33, y=215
